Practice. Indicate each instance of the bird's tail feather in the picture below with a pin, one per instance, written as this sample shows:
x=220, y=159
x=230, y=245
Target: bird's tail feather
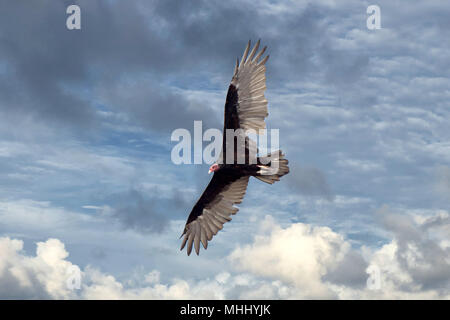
x=272, y=167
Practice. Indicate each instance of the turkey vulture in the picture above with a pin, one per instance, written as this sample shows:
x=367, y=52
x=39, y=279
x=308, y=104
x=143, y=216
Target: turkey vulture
x=245, y=109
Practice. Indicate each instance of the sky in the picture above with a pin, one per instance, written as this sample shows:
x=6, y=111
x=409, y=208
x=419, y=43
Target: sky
x=89, y=194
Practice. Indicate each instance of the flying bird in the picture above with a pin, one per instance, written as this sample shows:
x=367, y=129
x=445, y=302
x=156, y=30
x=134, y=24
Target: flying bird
x=245, y=109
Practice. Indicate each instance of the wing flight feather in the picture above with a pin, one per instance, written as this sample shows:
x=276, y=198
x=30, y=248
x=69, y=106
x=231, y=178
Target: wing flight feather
x=213, y=214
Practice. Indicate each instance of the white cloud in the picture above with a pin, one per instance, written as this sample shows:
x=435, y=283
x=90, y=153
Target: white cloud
x=296, y=262
x=42, y=276
x=299, y=255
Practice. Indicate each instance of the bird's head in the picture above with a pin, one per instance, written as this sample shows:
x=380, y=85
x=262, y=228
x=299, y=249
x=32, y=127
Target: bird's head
x=213, y=168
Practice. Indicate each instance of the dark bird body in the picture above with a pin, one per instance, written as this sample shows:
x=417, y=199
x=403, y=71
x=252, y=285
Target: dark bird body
x=245, y=109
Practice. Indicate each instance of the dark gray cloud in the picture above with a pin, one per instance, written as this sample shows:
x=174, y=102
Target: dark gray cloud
x=51, y=73
x=56, y=70
x=351, y=271
x=147, y=210
x=309, y=181
x=145, y=103
x=138, y=211
x=42, y=63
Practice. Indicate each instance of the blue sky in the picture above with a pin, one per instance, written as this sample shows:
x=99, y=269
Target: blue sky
x=86, y=175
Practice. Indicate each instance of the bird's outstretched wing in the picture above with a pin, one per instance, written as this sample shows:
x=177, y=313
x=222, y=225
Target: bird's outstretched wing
x=245, y=108
x=214, y=208
x=246, y=105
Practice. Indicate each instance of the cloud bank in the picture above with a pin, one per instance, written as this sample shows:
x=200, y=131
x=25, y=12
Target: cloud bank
x=298, y=261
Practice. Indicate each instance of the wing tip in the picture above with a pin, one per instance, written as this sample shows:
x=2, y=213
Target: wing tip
x=252, y=56
x=263, y=61
x=244, y=56
x=190, y=239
